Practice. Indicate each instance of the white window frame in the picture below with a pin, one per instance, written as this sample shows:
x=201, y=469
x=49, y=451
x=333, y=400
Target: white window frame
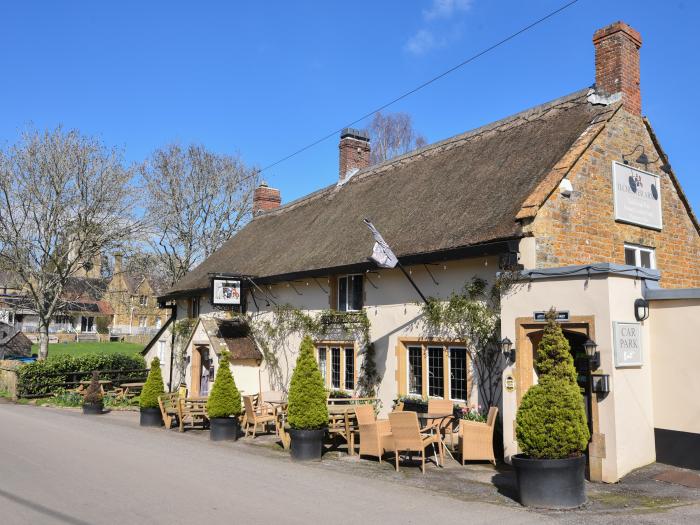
x=347, y=291
x=638, y=248
x=449, y=373
x=408, y=369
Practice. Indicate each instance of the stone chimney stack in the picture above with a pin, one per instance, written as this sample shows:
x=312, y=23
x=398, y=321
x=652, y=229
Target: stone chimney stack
x=117, y=263
x=354, y=152
x=617, y=64
x=265, y=199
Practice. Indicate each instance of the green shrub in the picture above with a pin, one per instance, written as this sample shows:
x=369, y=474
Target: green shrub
x=93, y=395
x=224, y=398
x=554, y=352
x=102, y=325
x=66, y=398
x=551, y=421
x=154, y=386
x=307, y=396
x=44, y=378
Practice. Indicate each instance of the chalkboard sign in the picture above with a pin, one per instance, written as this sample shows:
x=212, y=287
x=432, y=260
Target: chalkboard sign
x=627, y=344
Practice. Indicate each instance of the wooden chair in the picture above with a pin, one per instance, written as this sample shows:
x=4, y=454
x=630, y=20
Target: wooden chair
x=253, y=419
x=409, y=437
x=476, y=439
x=169, y=408
x=192, y=411
x=375, y=435
x=444, y=426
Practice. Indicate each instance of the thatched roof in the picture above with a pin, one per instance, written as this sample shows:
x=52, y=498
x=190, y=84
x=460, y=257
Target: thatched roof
x=232, y=335
x=462, y=192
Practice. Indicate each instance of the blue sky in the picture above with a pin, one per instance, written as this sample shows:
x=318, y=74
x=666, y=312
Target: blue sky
x=265, y=78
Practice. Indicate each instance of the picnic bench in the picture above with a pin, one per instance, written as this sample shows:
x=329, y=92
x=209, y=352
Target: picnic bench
x=169, y=409
x=129, y=390
x=192, y=411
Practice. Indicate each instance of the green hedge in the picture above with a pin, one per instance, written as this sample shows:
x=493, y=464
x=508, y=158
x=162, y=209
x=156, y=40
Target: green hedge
x=44, y=378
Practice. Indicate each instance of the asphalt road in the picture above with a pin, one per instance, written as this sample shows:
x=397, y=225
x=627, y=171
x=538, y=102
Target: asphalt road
x=57, y=466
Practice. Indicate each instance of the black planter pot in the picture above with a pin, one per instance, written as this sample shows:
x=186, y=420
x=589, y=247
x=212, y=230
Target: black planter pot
x=307, y=445
x=551, y=483
x=92, y=408
x=151, y=417
x=224, y=428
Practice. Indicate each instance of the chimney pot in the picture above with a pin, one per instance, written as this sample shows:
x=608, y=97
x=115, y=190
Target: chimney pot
x=354, y=152
x=617, y=64
x=265, y=199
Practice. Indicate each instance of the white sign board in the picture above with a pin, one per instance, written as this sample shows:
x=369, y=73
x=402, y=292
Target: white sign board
x=637, y=196
x=226, y=291
x=627, y=344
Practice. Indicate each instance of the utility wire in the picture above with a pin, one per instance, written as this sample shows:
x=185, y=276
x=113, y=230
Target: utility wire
x=424, y=84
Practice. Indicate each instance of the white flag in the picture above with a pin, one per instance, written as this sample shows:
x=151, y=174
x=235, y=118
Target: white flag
x=381, y=253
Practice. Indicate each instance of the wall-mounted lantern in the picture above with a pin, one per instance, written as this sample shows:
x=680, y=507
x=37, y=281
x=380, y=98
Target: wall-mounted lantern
x=600, y=383
x=592, y=353
x=507, y=349
x=641, y=309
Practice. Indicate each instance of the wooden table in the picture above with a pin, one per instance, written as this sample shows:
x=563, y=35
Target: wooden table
x=341, y=418
x=126, y=387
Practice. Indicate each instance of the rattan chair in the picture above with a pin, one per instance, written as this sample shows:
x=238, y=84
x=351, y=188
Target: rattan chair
x=476, y=439
x=375, y=434
x=409, y=437
x=444, y=426
x=253, y=419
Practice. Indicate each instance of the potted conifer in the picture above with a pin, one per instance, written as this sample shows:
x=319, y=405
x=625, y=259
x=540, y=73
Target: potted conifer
x=308, y=411
x=551, y=429
x=224, y=404
x=92, y=402
x=148, y=401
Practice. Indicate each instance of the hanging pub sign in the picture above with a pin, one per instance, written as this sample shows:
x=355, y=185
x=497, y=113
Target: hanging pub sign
x=227, y=291
x=627, y=344
x=637, y=196
x=542, y=316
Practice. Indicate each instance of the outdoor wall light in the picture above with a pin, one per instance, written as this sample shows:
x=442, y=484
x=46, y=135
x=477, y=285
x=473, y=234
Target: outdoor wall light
x=592, y=353
x=641, y=309
x=507, y=349
x=600, y=383
x=644, y=159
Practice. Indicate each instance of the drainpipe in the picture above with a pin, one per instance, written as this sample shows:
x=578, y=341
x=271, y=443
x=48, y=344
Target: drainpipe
x=173, y=318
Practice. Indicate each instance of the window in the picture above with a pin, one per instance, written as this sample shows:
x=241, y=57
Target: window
x=195, y=307
x=349, y=369
x=143, y=300
x=322, y=362
x=436, y=369
x=143, y=320
x=436, y=384
x=337, y=365
x=350, y=293
x=640, y=256
x=415, y=370
x=159, y=321
x=161, y=352
x=458, y=374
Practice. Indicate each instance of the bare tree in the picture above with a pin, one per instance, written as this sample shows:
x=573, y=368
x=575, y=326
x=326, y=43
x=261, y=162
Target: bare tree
x=197, y=200
x=391, y=135
x=64, y=200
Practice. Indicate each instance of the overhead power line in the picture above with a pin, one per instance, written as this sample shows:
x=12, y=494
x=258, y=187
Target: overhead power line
x=424, y=84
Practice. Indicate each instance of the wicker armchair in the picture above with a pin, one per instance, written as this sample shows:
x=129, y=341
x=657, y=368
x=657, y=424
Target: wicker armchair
x=253, y=419
x=444, y=426
x=476, y=439
x=409, y=437
x=375, y=435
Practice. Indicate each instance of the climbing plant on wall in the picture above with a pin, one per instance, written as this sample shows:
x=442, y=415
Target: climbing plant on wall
x=472, y=316
x=275, y=332
x=182, y=331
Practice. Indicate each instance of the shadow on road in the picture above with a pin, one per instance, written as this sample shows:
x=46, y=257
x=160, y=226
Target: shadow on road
x=36, y=507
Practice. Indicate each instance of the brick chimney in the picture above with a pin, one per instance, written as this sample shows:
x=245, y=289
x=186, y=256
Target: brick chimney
x=617, y=64
x=117, y=263
x=265, y=199
x=354, y=152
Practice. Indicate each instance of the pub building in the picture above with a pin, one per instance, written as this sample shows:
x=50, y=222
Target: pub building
x=576, y=193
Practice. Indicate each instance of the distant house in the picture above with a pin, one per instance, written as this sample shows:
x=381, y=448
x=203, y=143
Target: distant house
x=133, y=298
x=13, y=343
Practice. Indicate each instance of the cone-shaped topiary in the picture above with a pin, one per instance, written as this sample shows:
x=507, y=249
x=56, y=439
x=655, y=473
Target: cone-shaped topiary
x=153, y=387
x=551, y=421
x=224, y=398
x=93, y=395
x=554, y=352
x=307, y=395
